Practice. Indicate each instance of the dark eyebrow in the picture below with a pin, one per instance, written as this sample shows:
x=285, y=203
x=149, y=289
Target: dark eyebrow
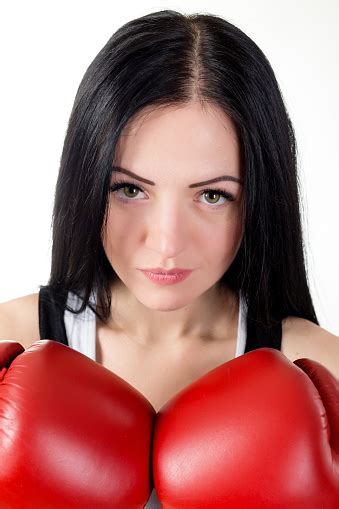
x=197, y=184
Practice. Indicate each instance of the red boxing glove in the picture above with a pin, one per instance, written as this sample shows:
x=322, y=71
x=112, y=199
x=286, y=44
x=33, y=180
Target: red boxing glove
x=256, y=432
x=72, y=433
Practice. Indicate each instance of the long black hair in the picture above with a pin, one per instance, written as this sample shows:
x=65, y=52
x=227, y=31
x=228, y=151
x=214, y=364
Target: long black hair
x=166, y=58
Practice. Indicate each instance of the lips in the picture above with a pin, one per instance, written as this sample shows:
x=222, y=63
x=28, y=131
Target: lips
x=158, y=270
x=167, y=279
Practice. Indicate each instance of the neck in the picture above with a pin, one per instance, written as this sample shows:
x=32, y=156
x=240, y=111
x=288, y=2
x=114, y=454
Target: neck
x=210, y=317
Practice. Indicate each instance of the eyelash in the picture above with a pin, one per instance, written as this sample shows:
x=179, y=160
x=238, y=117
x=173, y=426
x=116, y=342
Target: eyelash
x=123, y=183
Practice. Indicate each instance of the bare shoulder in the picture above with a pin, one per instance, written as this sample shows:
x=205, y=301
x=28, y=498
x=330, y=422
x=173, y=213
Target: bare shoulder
x=19, y=319
x=302, y=338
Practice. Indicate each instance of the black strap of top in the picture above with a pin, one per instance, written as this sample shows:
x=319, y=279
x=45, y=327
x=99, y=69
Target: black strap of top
x=52, y=304
x=258, y=337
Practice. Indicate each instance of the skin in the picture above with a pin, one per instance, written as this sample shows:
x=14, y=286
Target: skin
x=171, y=225
x=162, y=338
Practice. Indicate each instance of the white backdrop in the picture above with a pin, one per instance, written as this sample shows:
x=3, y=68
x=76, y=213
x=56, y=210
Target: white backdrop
x=46, y=48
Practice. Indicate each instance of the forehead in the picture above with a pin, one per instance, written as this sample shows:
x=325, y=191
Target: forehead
x=189, y=134
x=199, y=118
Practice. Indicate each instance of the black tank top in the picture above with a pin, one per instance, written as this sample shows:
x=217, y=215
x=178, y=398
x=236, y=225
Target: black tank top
x=52, y=305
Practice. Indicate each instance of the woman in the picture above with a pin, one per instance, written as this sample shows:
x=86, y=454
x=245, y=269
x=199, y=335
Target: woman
x=180, y=100
x=179, y=154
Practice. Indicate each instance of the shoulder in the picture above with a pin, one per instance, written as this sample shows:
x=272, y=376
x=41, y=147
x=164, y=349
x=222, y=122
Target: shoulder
x=19, y=319
x=304, y=339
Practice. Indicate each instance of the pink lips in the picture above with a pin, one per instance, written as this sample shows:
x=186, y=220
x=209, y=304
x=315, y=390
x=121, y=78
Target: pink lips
x=159, y=270
x=167, y=278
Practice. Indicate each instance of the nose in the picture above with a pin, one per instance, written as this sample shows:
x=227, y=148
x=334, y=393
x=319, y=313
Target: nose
x=167, y=228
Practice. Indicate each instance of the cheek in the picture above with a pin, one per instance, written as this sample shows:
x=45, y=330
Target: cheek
x=223, y=242
x=118, y=233
x=218, y=238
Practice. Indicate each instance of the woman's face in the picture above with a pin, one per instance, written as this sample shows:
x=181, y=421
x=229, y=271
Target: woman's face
x=173, y=223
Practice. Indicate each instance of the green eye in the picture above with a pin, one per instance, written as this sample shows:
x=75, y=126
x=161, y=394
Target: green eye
x=215, y=193
x=130, y=186
x=129, y=195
